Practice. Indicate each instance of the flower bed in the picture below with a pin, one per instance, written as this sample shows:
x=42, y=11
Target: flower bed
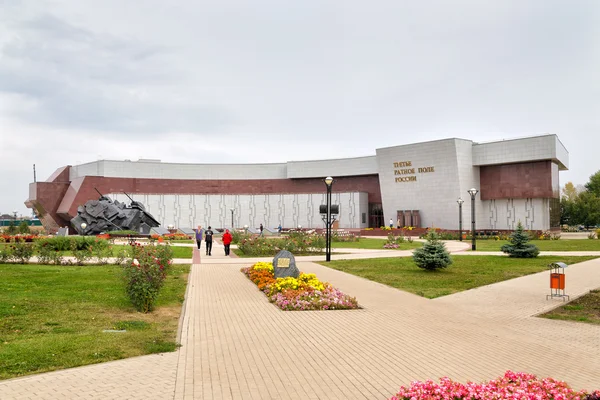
x=171, y=236
x=303, y=293
x=513, y=385
x=27, y=238
x=295, y=242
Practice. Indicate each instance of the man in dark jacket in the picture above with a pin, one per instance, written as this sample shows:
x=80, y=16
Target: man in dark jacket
x=208, y=236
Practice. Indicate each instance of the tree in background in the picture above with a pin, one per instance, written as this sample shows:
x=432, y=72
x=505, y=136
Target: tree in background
x=24, y=228
x=586, y=209
x=593, y=186
x=12, y=229
x=518, y=246
x=581, y=205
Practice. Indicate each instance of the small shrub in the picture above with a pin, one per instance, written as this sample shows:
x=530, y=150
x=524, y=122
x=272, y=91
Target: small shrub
x=433, y=255
x=82, y=255
x=518, y=246
x=238, y=237
x=21, y=252
x=12, y=228
x=24, y=228
x=592, y=235
x=101, y=251
x=5, y=254
x=145, y=275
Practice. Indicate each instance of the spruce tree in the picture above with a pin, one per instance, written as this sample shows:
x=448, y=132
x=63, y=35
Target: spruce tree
x=433, y=255
x=518, y=246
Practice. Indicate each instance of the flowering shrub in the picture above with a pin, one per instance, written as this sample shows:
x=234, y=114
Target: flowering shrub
x=513, y=385
x=145, y=274
x=297, y=242
x=303, y=293
x=19, y=252
x=396, y=240
x=547, y=235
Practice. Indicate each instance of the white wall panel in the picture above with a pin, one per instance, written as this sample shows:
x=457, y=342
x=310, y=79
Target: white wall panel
x=189, y=211
x=338, y=167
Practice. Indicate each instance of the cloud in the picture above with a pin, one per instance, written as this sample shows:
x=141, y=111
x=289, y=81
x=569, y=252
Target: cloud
x=74, y=78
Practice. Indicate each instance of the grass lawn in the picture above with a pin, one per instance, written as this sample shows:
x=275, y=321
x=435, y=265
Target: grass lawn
x=466, y=272
x=583, y=309
x=368, y=243
x=545, y=245
x=52, y=317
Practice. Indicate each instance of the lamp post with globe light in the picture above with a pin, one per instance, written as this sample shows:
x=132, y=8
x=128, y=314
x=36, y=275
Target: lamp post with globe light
x=460, y=202
x=473, y=192
x=328, y=183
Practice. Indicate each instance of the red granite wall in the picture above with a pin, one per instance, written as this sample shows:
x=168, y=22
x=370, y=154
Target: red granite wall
x=45, y=197
x=518, y=181
x=106, y=185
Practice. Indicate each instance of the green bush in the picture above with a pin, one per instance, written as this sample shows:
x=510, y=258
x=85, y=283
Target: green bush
x=433, y=255
x=296, y=242
x=145, y=274
x=237, y=237
x=24, y=228
x=21, y=252
x=82, y=254
x=12, y=228
x=347, y=237
x=518, y=246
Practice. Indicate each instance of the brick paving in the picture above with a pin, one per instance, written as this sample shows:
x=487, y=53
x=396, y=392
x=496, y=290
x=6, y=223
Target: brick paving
x=236, y=345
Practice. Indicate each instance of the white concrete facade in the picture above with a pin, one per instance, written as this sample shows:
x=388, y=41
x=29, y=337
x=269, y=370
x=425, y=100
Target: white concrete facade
x=428, y=177
x=289, y=210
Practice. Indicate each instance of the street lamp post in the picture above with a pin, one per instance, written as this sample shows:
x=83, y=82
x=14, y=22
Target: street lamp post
x=328, y=183
x=460, y=202
x=473, y=192
x=232, y=210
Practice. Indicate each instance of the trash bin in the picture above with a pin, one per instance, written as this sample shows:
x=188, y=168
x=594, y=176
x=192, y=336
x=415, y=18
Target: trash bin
x=557, y=280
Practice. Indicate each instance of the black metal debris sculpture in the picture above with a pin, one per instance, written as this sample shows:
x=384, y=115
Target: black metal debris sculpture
x=105, y=215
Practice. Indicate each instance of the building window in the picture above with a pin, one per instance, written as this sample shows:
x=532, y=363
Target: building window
x=364, y=218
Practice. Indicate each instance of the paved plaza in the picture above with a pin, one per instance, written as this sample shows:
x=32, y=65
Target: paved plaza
x=237, y=345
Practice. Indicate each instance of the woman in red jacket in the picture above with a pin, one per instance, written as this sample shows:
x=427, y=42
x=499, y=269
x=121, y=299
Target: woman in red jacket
x=227, y=241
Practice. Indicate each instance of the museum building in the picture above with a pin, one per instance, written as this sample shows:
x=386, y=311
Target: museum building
x=414, y=185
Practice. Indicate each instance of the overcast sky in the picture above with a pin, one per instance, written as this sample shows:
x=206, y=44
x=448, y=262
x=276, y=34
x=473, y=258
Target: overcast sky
x=273, y=81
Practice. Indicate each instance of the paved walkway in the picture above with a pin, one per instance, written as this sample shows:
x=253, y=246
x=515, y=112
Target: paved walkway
x=236, y=345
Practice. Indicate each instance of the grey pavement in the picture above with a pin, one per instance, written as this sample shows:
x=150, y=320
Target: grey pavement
x=237, y=345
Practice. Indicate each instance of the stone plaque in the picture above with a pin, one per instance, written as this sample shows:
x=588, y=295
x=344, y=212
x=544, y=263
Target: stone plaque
x=188, y=231
x=159, y=230
x=63, y=231
x=284, y=265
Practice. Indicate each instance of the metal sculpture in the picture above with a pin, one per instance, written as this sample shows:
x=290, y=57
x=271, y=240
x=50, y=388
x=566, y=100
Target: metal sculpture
x=105, y=215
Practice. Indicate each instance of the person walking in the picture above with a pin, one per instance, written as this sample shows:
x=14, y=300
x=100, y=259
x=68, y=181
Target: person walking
x=199, y=232
x=261, y=229
x=391, y=223
x=227, y=238
x=208, y=237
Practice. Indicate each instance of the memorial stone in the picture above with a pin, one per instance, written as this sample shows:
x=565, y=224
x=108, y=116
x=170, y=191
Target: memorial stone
x=63, y=231
x=188, y=231
x=159, y=230
x=284, y=265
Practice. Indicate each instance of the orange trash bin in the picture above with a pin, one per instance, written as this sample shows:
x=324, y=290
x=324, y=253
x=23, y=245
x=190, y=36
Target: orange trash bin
x=557, y=280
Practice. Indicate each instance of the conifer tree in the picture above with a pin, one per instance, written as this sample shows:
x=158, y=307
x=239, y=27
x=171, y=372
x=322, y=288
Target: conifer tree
x=433, y=255
x=518, y=246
